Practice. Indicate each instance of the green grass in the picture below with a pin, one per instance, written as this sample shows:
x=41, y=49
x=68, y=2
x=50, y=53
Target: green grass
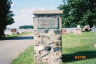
x=26, y=57
x=72, y=45
x=15, y=35
x=79, y=45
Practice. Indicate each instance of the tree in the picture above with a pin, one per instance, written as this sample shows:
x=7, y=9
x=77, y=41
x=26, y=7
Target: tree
x=9, y=18
x=5, y=15
x=76, y=12
x=26, y=27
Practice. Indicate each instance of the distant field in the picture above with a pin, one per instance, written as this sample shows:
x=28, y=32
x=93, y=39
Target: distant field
x=15, y=35
x=72, y=45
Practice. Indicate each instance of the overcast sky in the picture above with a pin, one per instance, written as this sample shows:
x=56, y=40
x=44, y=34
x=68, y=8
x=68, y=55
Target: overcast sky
x=23, y=10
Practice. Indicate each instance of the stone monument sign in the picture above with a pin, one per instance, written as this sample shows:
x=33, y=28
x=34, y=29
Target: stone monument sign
x=47, y=36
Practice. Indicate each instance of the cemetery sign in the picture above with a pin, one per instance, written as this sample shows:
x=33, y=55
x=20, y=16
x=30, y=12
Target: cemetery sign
x=47, y=36
x=47, y=23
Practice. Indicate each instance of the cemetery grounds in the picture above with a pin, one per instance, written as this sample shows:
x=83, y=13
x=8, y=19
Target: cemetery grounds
x=72, y=45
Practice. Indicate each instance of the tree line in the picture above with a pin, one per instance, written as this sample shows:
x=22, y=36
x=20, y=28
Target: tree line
x=26, y=27
x=82, y=12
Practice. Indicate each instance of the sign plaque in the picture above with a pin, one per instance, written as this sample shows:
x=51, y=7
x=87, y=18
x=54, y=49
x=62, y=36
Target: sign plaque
x=47, y=23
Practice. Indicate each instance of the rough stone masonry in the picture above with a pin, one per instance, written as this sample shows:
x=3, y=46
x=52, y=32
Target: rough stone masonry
x=47, y=35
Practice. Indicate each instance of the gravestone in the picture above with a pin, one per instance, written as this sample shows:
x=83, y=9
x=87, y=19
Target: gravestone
x=13, y=30
x=86, y=28
x=47, y=35
x=93, y=30
x=70, y=30
x=29, y=30
x=19, y=31
x=63, y=31
x=77, y=30
x=8, y=32
x=78, y=26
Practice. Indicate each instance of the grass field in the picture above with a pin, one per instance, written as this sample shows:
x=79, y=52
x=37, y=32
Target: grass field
x=15, y=35
x=79, y=45
x=72, y=45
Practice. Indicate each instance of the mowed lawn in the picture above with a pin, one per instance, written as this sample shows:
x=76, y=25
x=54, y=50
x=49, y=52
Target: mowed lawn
x=79, y=45
x=72, y=45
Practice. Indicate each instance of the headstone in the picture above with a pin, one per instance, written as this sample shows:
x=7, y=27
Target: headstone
x=8, y=30
x=23, y=30
x=47, y=35
x=78, y=26
x=13, y=30
x=77, y=31
x=86, y=28
x=94, y=26
x=19, y=31
x=70, y=30
x=63, y=31
x=8, y=33
x=29, y=30
x=93, y=30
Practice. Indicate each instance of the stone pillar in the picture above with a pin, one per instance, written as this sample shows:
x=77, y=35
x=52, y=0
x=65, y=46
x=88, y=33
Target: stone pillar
x=47, y=35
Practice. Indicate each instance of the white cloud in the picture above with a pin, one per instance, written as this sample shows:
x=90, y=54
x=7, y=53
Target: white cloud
x=23, y=17
x=50, y=8
x=41, y=8
x=12, y=4
x=26, y=10
x=34, y=8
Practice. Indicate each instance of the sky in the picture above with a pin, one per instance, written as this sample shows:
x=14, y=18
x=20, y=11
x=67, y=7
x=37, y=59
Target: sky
x=23, y=10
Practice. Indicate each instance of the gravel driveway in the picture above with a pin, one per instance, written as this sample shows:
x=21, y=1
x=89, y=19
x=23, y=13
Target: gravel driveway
x=11, y=48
